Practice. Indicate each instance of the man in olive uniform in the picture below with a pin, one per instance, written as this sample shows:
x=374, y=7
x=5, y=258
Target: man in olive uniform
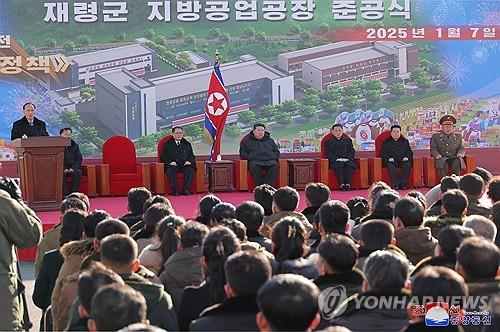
x=447, y=147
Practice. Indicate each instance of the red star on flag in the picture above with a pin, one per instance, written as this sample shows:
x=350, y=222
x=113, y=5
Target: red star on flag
x=217, y=103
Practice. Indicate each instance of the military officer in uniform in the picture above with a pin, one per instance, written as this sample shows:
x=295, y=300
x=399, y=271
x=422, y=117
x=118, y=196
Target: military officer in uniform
x=447, y=147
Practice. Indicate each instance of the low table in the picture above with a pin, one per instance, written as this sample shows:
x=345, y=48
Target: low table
x=300, y=172
x=220, y=175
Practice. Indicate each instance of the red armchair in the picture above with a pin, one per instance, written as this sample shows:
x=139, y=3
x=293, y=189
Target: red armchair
x=88, y=181
x=379, y=173
x=327, y=175
x=431, y=175
x=160, y=181
x=120, y=171
x=244, y=179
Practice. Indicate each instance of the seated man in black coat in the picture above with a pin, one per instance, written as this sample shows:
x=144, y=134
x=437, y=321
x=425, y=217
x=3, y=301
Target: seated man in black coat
x=262, y=153
x=72, y=162
x=29, y=125
x=177, y=155
x=340, y=153
x=396, y=153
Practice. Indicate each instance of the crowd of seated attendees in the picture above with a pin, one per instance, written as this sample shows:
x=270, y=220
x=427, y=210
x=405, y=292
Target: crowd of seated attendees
x=263, y=264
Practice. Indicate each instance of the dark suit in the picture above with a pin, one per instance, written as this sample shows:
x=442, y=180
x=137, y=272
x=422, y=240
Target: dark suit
x=73, y=160
x=262, y=154
x=180, y=153
x=397, y=150
x=22, y=127
x=341, y=148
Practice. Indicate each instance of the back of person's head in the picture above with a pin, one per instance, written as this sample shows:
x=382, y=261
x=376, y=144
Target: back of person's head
x=193, y=234
x=385, y=270
x=385, y=202
x=478, y=258
x=454, y=202
x=482, y=226
x=449, y=182
x=136, y=198
x=438, y=283
x=251, y=214
x=72, y=203
x=141, y=327
x=472, y=185
x=339, y=252
x=110, y=226
x=289, y=239
x=168, y=231
x=73, y=226
x=263, y=195
x=152, y=217
x=81, y=196
x=220, y=243
x=158, y=199
x=91, y=280
x=358, y=207
x=115, y=307
x=495, y=215
x=222, y=211
x=377, y=233
x=237, y=227
x=94, y=218
x=419, y=197
x=494, y=189
x=118, y=251
x=288, y=302
x=285, y=199
x=206, y=205
x=484, y=174
x=247, y=271
x=375, y=190
x=333, y=216
x=450, y=238
x=408, y=212
x=317, y=193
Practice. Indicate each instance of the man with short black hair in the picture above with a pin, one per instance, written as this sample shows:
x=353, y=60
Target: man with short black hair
x=119, y=253
x=333, y=217
x=252, y=214
x=414, y=239
x=136, y=198
x=437, y=283
x=92, y=220
x=494, y=190
x=316, y=194
x=478, y=261
x=340, y=152
x=205, y=207
x=447, y=183
x=262, y=154
x=385, y=277
x=72, y=162
x=246, y=272
x=178, y=157
x=263, y=195
x=482, y=226
x=115, y=307
x=484, y=174
x=337, y=257
x=454, y=208
x=445, y=253
x=220, y=212
x=396, y=154
x=473, y=185
x=285, y=201
x=288, y=302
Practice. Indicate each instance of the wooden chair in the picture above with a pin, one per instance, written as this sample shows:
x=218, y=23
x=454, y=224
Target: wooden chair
x=431, y=175
x=88, y=184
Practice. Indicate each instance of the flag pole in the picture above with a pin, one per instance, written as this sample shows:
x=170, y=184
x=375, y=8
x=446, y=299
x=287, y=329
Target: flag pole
x=217, y=59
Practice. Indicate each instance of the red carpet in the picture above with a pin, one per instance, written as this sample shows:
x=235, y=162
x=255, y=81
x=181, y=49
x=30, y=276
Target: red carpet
x=185, y=206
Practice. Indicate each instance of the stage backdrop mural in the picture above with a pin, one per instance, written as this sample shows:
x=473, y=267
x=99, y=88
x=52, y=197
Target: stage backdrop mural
x=137, y=68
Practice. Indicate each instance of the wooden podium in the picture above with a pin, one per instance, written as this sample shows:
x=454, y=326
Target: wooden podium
x=41, y=165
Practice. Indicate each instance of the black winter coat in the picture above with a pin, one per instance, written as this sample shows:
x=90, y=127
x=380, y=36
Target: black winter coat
x=265, y=151
x=46, y=278
x=397, y=150
x=72, y=156
x=22, y=127
x=178, y=153
x=340, y=148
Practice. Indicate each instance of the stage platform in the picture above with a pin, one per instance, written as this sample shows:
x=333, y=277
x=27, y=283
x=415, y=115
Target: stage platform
x=186, y=206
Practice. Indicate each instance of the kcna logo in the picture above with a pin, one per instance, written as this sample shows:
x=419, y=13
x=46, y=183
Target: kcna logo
x=329, y=302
